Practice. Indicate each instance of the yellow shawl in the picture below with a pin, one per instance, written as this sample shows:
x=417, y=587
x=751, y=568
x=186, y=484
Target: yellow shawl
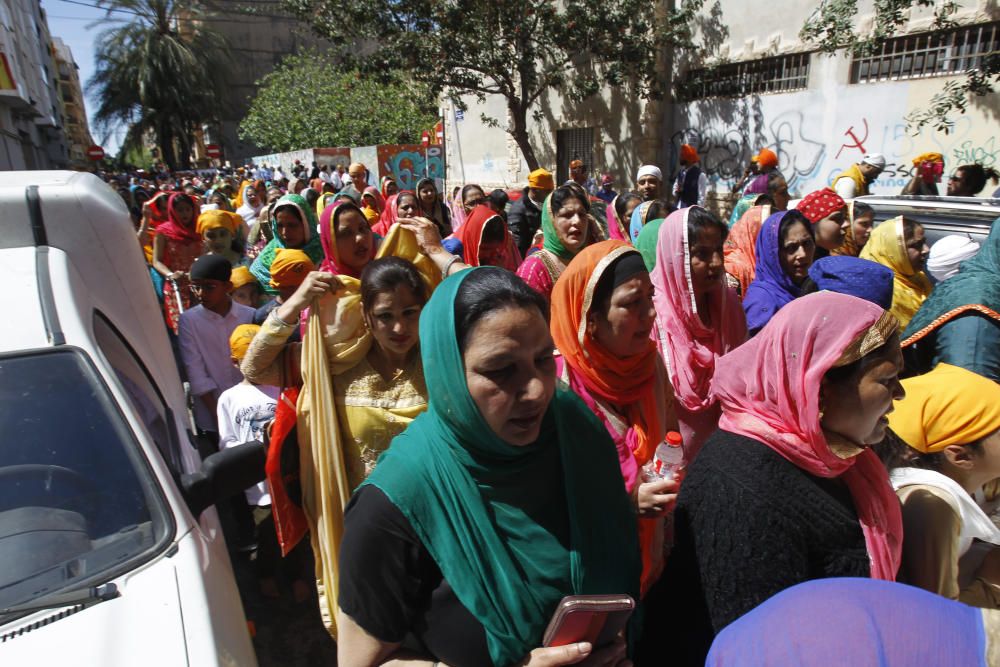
x=887, y=246
x=854, y=173
x=336, y=340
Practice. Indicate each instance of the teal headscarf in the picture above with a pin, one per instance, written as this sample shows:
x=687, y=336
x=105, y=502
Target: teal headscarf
x=646, y=242
x=977, y=283
x=513, y=529
x=261, y=267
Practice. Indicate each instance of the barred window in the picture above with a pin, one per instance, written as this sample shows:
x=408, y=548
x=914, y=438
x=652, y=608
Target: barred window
x=928, y=54
x=766, y=75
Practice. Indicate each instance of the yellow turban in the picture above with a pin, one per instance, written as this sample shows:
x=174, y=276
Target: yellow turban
x=948, y=406
x=218, y=219
x=290, y=267
x=541, y=179
x=927, y=157
x=240, y=339
x=241, y=276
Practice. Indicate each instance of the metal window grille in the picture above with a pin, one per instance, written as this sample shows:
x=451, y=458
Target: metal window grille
x=767, y=75
x=928, y=54
x=573, y=144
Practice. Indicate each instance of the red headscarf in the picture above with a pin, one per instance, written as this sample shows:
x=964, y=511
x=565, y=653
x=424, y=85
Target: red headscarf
x=390, y=215
x=769, y=391
x=328, y=239
x=819, y=204
x=173, y=228
x=471, y=236
x=627, y=382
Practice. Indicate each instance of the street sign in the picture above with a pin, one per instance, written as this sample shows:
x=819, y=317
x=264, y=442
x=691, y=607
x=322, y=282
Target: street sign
x=459, y=115
x=213, y=151
x=95, y=153
x=439, y=133
x=425, y=138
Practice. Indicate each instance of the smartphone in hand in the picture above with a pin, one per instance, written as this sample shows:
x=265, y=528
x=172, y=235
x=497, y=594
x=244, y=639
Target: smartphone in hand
x=597, y=619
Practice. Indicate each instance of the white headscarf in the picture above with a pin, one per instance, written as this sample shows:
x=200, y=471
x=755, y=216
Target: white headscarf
x=647, y=170
x=948, y=254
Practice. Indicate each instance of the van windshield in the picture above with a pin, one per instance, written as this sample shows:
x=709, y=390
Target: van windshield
x=78, y=504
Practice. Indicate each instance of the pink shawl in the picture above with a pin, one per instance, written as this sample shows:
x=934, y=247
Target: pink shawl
x=687, y=346
x=615, y=229
x=769, y=391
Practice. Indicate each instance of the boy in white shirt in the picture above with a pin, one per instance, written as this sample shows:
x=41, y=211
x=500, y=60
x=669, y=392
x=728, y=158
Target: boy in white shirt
x=243, y=411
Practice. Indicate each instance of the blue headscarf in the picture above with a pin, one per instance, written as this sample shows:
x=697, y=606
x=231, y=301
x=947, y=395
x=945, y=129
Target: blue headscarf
x=638, y=220
x=849, y=621
x=771, y=288
x=858, y=277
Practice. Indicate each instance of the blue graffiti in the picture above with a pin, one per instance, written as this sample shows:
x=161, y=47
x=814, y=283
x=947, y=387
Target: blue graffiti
x=408, y=167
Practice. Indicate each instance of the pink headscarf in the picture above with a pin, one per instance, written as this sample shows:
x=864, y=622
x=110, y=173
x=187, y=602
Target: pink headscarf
x=687, y=346
x=388, y=217
x=615, y=228
x=328, y=239
x=769, y=391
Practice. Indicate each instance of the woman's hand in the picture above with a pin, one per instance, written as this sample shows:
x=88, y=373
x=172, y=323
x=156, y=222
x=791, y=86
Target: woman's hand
x=657, y=498
x=316, y=284
x=612, y=655
x=177, y=275
x=427, y=233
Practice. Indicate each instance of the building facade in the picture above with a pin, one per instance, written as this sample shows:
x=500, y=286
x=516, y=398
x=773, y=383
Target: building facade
x=31, y=123
x=760, y=86
x=76, y=126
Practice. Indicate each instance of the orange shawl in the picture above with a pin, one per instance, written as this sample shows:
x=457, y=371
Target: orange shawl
x=741, y=246
x=629, y=383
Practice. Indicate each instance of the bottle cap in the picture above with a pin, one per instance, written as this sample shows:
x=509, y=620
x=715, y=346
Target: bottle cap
x=674, y=439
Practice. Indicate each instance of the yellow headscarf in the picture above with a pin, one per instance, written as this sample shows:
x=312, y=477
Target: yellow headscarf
x=948, y=406
x=238, y=200
x=240, y=339
x=887, y=246
x=218, y=219
x=927, y=157
x=336, y=340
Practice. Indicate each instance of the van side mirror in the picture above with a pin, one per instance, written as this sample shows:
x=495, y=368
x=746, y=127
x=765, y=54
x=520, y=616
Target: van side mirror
x=223, y=475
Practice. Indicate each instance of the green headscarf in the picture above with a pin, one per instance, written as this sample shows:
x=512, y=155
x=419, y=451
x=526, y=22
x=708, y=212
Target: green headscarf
x=261, y=267
x=977, y=283
x=513, y=529
x=551, y=241
x=646, y=242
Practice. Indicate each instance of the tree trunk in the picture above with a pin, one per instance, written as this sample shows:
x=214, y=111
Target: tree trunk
x=519, y=130
x=184, y=149
x=165, y=138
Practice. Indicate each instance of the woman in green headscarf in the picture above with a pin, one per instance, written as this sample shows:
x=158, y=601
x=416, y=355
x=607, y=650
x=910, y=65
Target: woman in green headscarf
x=568, y=228
x=294, y=224
x=500, y=500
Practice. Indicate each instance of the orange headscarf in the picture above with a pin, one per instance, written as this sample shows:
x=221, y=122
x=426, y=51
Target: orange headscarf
x=741, y=246
x=627, y=382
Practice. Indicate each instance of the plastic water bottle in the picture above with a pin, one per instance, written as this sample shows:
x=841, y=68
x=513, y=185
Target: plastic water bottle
x=668, y=461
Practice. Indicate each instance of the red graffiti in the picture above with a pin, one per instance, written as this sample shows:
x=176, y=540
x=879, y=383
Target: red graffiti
x=858, y=143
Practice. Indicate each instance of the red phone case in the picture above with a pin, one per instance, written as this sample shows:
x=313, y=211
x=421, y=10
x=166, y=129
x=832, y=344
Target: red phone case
x=588, y=618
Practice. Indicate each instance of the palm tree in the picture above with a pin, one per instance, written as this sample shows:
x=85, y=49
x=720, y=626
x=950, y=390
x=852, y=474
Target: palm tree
x=161, y=71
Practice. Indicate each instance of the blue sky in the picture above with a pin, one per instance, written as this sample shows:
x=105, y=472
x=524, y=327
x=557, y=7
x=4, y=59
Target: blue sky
x=71, y=22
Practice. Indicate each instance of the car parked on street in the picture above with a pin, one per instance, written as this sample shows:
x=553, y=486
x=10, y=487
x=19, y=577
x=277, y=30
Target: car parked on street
x=939, y=216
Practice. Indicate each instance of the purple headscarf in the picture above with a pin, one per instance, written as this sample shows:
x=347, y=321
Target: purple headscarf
x=771, y=288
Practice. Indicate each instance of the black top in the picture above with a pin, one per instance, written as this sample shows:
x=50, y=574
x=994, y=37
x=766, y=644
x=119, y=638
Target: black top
x=524, y=219
x=748, y=524
x=391, y=586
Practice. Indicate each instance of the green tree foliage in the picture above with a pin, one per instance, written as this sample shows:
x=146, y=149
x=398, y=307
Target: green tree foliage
x=307, y=103
x=514, y=48
x=832, y=28
x=159, y=71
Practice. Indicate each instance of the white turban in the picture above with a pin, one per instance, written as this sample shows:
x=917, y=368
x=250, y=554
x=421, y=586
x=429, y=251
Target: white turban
x=649, y=170
x=948, y=254
x=875, y=160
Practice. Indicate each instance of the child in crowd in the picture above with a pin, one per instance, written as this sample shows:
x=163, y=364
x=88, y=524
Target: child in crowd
x=219, y=230
x=246, y=289
x=289, y=269
x=243, y=411
x=204, y=338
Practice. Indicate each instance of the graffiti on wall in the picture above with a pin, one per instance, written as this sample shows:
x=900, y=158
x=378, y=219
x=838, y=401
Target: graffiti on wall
x=816, y=138
x=408, y=163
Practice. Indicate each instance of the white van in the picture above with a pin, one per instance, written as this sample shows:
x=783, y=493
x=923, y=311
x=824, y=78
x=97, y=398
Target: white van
x=109, y=551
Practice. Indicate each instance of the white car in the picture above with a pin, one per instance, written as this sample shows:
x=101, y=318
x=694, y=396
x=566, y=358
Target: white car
x=109, y=551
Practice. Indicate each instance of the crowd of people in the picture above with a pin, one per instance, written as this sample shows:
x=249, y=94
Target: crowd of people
x=480, y=402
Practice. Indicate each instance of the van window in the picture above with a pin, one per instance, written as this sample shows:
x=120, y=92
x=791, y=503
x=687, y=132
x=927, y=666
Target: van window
x=78, y=502
x=147, y=401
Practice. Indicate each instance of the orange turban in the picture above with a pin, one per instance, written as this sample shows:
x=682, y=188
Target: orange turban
x=767, y=158
x=689, y=154
x=290, y=267
x=240, y=339
x=927, y=157
x=218, y=219
x=241, y=276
